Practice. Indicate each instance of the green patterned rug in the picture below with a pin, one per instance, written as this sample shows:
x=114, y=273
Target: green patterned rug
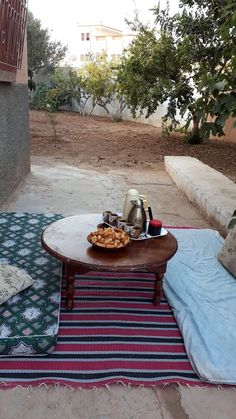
x=29, y=321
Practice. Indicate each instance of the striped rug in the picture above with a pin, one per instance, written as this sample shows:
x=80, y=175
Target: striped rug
x=114, y=334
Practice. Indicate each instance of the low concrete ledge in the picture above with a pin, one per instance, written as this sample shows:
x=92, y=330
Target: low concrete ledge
x=213, y=192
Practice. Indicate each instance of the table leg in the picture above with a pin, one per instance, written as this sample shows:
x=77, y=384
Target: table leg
x=69, y=273
x=70, y=289
x=158, y=285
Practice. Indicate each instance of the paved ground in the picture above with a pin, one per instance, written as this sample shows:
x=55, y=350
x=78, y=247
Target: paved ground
x=56, y=187
x=61, y=188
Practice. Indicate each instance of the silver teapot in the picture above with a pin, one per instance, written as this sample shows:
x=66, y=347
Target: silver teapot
x=137, y=215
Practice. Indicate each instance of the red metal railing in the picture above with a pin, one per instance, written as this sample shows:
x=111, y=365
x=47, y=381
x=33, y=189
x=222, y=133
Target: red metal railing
x=13, y=18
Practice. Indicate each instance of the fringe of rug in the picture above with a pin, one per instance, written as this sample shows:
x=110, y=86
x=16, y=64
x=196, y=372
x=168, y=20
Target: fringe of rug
x=107, y=386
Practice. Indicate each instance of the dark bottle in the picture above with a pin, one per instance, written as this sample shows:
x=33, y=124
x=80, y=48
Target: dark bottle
x=154, y=228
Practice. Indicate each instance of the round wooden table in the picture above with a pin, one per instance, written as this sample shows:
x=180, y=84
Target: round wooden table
x=66, y=240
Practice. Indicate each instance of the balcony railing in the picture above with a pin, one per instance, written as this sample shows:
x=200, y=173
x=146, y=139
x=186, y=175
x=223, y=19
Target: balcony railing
x=13, y=18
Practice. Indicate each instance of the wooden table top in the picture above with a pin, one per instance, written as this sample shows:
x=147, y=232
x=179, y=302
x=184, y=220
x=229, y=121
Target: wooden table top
x=66, y=239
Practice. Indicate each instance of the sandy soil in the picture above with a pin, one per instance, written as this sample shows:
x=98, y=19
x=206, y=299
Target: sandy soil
x=100, y=143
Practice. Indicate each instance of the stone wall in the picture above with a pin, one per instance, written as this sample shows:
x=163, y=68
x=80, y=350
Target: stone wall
x=14, y=132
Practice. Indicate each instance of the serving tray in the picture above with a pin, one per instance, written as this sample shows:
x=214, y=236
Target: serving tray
x=144, y=236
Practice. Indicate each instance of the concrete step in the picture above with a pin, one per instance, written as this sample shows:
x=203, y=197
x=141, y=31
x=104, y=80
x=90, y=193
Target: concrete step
x=213, y=192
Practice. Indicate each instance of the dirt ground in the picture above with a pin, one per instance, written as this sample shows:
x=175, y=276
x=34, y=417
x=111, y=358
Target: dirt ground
x=101, y=143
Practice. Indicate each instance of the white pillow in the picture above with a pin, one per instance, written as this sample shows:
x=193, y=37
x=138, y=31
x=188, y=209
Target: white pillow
x=227, y=255
x=12, y=281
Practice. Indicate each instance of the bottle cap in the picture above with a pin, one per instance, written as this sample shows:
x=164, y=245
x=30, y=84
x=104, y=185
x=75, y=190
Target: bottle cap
x=155, y=223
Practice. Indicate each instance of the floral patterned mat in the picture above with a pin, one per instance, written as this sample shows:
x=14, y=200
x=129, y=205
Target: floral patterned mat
x=29, y=321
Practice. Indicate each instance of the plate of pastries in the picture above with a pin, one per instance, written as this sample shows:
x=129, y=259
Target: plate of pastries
x=109, y=238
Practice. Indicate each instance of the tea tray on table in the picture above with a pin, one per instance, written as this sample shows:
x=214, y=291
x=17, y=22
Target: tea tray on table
x=144, y=236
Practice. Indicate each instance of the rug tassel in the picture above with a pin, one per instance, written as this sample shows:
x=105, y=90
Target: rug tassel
x=68, y=387
x=43, y=385
x=121, y=382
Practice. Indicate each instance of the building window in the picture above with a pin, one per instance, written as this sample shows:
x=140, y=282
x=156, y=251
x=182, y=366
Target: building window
x=100, y=38
x=81, y=57
x=87, y=57
x=85, y=36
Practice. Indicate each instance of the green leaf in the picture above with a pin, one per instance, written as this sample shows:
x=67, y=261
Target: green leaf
x=232, y=221
x=220, y=120
x=220, y=85
x=214, y=129
x=186, y=126
x=204, y=131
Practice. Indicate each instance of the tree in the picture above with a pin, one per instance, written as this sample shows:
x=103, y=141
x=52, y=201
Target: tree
x=64, y=87
x=223, y=89
x=97, y=80
x=185, y=62
x=42, y=52
x=150, y=73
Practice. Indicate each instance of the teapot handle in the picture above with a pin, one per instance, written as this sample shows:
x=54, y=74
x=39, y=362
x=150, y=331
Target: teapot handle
x=145, y=202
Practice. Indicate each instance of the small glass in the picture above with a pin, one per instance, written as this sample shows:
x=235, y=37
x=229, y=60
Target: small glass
x=121, y=222
x=106, y=216
x=135, y=233
x=112, y=218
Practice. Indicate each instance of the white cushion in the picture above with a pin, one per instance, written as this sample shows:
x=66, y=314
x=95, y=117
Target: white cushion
x=12, y=281
x=227, y=255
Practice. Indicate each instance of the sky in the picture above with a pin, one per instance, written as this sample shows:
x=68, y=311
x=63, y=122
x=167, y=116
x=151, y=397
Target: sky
x=62, y=17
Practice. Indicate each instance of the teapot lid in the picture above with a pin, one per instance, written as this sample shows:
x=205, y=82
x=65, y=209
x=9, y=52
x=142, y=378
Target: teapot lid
x=132, y=192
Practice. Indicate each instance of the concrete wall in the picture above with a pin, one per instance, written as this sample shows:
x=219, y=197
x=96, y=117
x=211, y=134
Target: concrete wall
x=155, y=120
x=230, y=131
x=14, y=132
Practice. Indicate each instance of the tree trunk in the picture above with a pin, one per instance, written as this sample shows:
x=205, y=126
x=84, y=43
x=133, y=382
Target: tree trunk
x=195, y=125
x=194, y=137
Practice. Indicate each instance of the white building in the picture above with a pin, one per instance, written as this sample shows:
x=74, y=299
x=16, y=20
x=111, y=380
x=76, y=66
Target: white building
x=93, y=39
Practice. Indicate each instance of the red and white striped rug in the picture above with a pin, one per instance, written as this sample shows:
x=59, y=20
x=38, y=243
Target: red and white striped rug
x=114, y=334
